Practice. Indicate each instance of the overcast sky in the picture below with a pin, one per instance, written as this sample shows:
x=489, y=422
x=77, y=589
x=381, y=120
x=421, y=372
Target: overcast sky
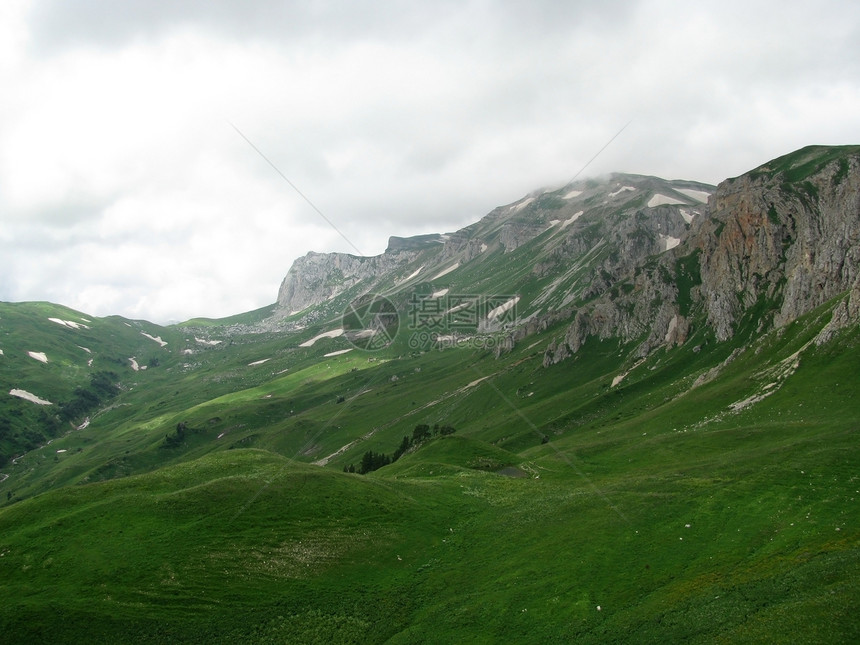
x=125, y=189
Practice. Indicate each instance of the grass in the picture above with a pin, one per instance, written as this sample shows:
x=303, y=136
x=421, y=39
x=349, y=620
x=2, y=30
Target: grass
x=709, y=495
x=215, y=542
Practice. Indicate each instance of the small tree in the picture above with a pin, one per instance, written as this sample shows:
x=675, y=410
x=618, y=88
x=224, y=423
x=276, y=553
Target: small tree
x=404, y=446
x=420, y=433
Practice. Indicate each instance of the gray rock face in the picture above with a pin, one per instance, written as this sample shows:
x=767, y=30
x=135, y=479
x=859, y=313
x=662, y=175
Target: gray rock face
x=794, y=244
x=785, y=239
x=635, y=257
x=318, y=277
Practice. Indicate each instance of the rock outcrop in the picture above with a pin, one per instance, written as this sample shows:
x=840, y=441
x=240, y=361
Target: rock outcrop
x=318, y=277
x=784, y=239
x=633, y=257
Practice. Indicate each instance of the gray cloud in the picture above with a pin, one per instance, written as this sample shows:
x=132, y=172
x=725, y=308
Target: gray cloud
x=123, y=188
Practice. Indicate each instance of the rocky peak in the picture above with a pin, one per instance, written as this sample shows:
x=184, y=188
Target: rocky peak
x=784, y=238
x=318, y=277
x=788, y=232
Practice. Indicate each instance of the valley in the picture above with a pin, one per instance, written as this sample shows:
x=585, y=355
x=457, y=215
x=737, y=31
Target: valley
x=648, y=396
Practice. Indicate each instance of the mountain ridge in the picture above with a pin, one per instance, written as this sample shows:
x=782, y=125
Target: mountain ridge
x=580, y=452
x=784, y=231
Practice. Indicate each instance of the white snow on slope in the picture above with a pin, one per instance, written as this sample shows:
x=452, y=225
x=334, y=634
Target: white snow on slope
x=498, y=311
x=669, y=242
x=1, y=352
x=260, y=362
x=337, y=353
x=334, y=333
x=134, y=365
x=439, y=294
x=570, y=221
x=522, y=204
x=24, y=394
x=698, y=195
x=621, y=190
x=446, y=271
x=157, y=339
x=687, y=215
x=414, y=273
x=203, y=341
x=39, y=356
x=68, y=323
x=572, y=194
x=662, y=200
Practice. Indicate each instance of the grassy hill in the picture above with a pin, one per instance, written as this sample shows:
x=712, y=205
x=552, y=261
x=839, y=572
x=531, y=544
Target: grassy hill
x=604, y=470
x=707, y=496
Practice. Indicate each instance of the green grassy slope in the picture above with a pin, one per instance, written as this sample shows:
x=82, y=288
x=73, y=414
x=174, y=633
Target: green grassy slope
x=75, y=348
x=708, y=496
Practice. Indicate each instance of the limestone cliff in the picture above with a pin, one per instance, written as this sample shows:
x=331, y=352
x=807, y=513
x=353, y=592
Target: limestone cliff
x=318, y=277
x=783, y=238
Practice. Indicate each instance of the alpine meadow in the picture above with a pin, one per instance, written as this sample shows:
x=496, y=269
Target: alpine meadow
x=620, y=410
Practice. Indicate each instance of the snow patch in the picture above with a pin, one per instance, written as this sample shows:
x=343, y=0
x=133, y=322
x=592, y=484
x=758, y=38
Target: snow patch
x=668, y=242
x=522, y=204
x=134, y=364
x=1, y=352
x=498, y=311
x=337, y=353
x=439, y=294
x=334, y=333
x=414, y=273
x=687, y=215
x=454, y=266
x=483, y=247
x=90, y=363
x=157, y=339
x=203, y=341
x=260, y=362
x=572, y=194
x=68, y=323
x=39, y=356
x=698, y=195
x=32, y=398
x=570, y=221
x=86, y=349
x=662, y=200
x=621, y=190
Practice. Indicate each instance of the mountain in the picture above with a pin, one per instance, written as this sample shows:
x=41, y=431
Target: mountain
x=630, y=256
x=552, y=252
x=620, y=410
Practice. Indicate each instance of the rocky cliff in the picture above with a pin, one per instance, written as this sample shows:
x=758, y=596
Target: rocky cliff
x=783, y=239
x=787, y=232
x=633, y=257
x=318, y=277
